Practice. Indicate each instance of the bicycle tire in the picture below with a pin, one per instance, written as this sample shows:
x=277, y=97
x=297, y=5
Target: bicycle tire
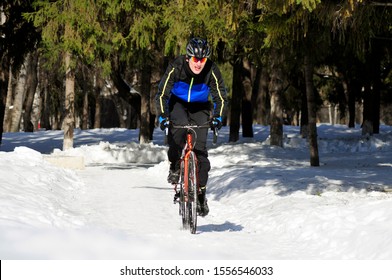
x=181, y=192
x=181, y=202
x=193, y=191
x=183, y=209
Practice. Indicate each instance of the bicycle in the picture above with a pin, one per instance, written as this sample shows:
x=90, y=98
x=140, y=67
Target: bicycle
x=187, y=196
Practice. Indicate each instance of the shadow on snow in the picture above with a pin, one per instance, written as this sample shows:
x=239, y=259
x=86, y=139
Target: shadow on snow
x=226, y=226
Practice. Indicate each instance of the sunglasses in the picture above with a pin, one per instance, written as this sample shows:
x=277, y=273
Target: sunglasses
x=195, y=59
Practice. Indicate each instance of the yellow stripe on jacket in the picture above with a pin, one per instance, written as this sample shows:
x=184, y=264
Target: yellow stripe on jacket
x=163, y=91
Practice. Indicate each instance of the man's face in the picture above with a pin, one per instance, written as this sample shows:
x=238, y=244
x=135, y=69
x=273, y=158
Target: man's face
x=197, y=64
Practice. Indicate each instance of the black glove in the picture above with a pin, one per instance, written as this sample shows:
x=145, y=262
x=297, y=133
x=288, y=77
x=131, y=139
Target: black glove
x=216, y=122
x=163, y=122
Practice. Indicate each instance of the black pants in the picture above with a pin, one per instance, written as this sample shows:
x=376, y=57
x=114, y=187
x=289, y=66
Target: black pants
x=189, y=113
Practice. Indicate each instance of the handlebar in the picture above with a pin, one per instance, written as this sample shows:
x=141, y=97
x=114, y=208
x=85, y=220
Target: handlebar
x=192, y=126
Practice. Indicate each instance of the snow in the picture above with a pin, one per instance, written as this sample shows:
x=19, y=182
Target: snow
x=265, y=202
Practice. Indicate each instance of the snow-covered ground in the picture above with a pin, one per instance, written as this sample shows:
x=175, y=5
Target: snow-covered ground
x=265, y=202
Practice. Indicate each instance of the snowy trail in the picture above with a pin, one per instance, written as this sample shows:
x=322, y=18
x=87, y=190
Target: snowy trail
x=280, y=224
x=138, y=202
x=134, y=201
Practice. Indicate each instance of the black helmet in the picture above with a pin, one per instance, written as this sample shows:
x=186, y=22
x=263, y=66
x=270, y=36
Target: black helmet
x=198, y=47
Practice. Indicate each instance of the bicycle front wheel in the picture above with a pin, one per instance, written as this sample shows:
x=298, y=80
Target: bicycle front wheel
x=183, y=205
x=193, y=193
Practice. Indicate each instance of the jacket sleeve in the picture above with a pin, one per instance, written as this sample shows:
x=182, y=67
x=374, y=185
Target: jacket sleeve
x=218, y=92
x=164, y=90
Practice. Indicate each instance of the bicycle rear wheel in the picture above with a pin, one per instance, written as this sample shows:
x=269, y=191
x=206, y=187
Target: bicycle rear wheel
x=193, y=195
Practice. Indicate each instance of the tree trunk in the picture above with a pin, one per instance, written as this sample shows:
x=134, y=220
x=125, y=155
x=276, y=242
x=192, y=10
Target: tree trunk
x=343, y=100
x=4, y=79
x=85, y=111
x=367, y=122
x=98, y=84
x=376, y=80
x=304, y=129
x=19, y=97
x=45, y=110
x=247, y=108
x=372, y=87
x=312, y=110
x=32, y=82
x=97, y=113
x=144, y=132
x=347, y=96
x=275, y=90
x=69, y=120
x=236, y=98
x=8, y=102
x=255, y=95
x=260, y=97
x=354, y=89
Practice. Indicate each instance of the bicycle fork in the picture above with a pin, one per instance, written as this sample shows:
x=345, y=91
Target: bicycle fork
x=184, y=180
x=186, y=165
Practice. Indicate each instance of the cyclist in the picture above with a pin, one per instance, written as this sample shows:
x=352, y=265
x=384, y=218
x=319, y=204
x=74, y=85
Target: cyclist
x=183, y=98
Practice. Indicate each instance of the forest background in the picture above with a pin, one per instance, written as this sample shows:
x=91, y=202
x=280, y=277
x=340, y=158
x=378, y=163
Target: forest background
x=85, y=64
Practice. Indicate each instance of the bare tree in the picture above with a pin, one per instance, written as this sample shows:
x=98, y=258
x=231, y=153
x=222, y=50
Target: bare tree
x=69, y=119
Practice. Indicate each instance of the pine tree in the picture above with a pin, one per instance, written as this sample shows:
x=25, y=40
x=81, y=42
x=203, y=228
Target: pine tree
x=69, y=30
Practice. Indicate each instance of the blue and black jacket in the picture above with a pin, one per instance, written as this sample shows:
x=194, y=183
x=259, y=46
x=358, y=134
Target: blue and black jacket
x=179, y=83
